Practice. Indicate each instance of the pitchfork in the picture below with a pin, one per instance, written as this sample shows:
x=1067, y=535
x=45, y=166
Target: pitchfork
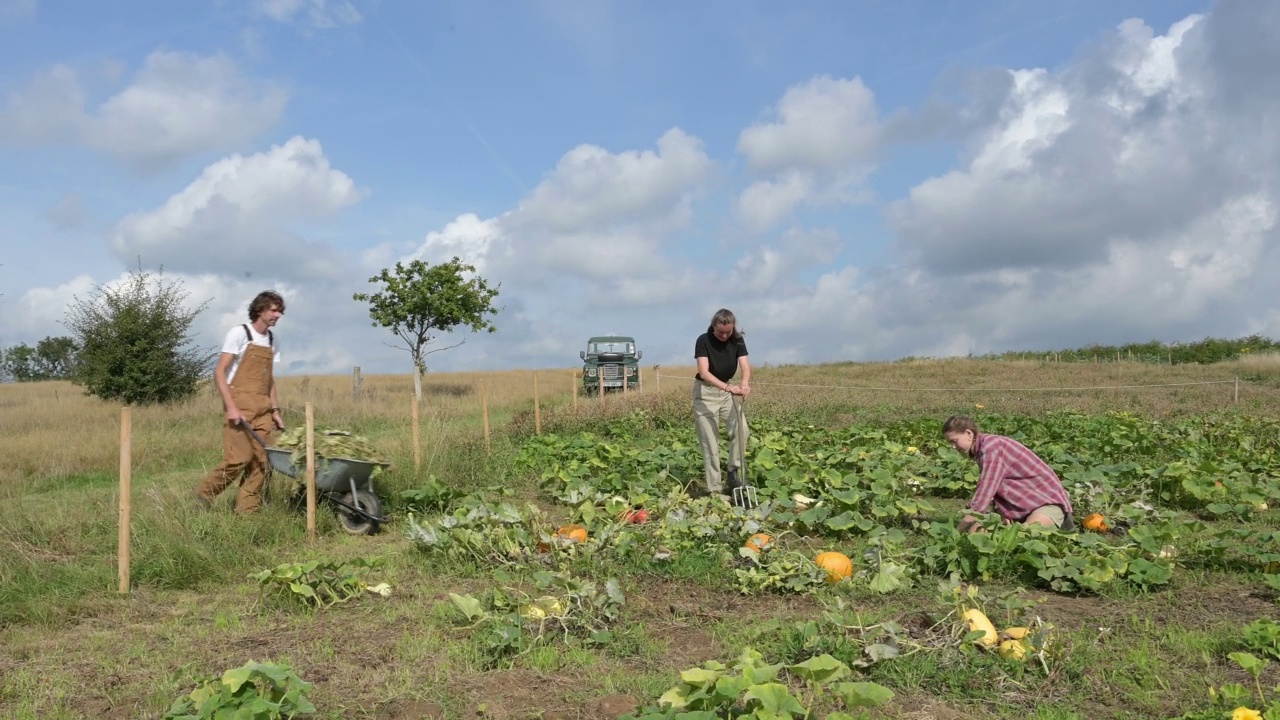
x=744, y=494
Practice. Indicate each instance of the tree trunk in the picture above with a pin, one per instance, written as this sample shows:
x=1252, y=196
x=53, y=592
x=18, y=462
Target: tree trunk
x=417, y=383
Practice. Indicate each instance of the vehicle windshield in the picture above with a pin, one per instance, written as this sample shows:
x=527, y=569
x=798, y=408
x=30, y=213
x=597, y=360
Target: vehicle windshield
x=610, y=347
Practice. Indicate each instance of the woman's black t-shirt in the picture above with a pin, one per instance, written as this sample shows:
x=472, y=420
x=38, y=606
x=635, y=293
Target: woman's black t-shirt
x=722, y=357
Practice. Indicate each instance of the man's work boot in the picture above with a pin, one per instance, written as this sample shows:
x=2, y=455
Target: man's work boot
x=732, y=481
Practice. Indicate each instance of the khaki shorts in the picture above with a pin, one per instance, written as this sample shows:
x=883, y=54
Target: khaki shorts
x=1053, y=512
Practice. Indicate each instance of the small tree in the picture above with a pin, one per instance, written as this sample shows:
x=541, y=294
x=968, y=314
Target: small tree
x=419, y=301
x=18, y=363
x=51, y=359
x=56, y=357
x=135, y=342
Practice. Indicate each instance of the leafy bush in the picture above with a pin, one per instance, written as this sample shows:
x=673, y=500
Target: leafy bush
x=135, y=342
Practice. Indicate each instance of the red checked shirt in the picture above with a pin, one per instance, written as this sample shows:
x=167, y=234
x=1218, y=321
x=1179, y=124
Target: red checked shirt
x=1015, y=479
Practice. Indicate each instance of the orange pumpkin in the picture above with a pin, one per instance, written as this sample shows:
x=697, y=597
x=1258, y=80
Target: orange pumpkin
x=635, y=517
x=837, y=565
x=759, y=542
x=576, y=533
x=1096, y=522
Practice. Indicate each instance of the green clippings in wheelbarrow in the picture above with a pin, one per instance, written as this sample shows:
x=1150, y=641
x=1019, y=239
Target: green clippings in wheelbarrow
x=328, y=444
x=333, y=474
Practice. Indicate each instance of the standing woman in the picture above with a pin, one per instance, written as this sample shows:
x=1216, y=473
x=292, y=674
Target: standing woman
x=720, y=352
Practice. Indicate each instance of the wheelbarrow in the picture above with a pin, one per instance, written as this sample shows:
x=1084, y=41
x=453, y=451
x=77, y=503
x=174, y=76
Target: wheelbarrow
x=337, y=478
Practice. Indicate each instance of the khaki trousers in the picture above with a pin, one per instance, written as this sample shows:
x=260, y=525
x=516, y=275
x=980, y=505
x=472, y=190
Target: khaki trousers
x=713, y=407
x=243, y=459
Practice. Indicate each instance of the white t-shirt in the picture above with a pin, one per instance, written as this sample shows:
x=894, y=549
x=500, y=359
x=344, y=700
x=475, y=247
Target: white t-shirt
x=237, y=341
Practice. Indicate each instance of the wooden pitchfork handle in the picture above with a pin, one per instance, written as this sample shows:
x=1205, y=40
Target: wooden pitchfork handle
x=738, y=400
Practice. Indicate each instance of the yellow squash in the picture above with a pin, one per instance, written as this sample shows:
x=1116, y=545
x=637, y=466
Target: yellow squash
x=977, y=621
x=1017, y=633
x=1013, y=649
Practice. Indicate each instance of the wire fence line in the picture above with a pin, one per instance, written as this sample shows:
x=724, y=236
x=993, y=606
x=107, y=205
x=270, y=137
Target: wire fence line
x=1233, y=381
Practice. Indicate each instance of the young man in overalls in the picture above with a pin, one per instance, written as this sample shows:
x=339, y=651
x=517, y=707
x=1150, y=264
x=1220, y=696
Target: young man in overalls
x=247, y=385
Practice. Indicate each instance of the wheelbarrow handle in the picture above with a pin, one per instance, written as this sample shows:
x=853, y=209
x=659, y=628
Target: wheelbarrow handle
x=254, y=433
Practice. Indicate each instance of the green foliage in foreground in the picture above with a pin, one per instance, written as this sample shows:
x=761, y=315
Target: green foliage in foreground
x=255, y=691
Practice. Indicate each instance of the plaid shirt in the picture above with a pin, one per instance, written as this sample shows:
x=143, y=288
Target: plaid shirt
x=1015, y=479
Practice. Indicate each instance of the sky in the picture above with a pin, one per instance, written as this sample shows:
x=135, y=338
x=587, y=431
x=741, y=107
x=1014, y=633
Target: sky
x=856, y=180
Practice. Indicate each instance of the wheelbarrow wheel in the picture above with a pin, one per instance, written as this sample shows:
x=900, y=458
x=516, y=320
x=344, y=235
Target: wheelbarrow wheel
x=354, y=523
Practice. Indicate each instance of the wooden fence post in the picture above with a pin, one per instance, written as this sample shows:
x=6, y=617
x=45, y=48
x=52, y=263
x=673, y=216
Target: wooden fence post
x=573, y=389
x=311, y=473
x=484, y=412
x=356, y=379
x=126, y=494
x=657, y=379
x=537, y=407
x=1237, y=393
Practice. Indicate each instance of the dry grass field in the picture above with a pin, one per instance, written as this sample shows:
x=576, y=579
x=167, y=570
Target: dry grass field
x=53, y=430
x=71, y=647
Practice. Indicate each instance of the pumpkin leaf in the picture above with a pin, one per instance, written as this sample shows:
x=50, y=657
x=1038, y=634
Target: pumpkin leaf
x=468, y=606
x=1250, y=663
x=677, y=697
x=700, y=677
x=843, y=521
x=889, y=577
x=820, y=669
x=775, y=698
x=863, y=694
x=879, y=651
x=756, y=674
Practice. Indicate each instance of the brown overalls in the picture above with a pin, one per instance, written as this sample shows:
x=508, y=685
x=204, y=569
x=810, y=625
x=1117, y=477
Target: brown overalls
x=243, y=458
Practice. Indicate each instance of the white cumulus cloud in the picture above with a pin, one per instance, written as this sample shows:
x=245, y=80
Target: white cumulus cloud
x=822, y=143
x=241, y=216
x=178, y=105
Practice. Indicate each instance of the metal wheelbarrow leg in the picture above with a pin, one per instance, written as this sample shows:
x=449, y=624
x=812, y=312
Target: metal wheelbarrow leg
x=744, y=494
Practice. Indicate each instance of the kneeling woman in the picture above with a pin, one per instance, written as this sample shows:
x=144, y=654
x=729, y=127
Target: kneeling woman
x=1023, y=488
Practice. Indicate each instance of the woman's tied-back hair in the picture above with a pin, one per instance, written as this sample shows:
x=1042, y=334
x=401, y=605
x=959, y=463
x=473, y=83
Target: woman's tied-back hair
x=263, y=302
x=959, y=424
x=724, y=316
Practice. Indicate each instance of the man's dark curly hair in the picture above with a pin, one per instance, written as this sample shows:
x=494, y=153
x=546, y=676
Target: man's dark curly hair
x=265, y=301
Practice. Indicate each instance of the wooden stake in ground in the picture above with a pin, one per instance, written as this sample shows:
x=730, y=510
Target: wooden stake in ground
x=573, y=389
x=311, y=473
x=126, y=494
x=484, y=413
x=657, y=379
x=417, y=441
x=355, y=382
x=625, y=381
x=537, y=409
x=1237, y=394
